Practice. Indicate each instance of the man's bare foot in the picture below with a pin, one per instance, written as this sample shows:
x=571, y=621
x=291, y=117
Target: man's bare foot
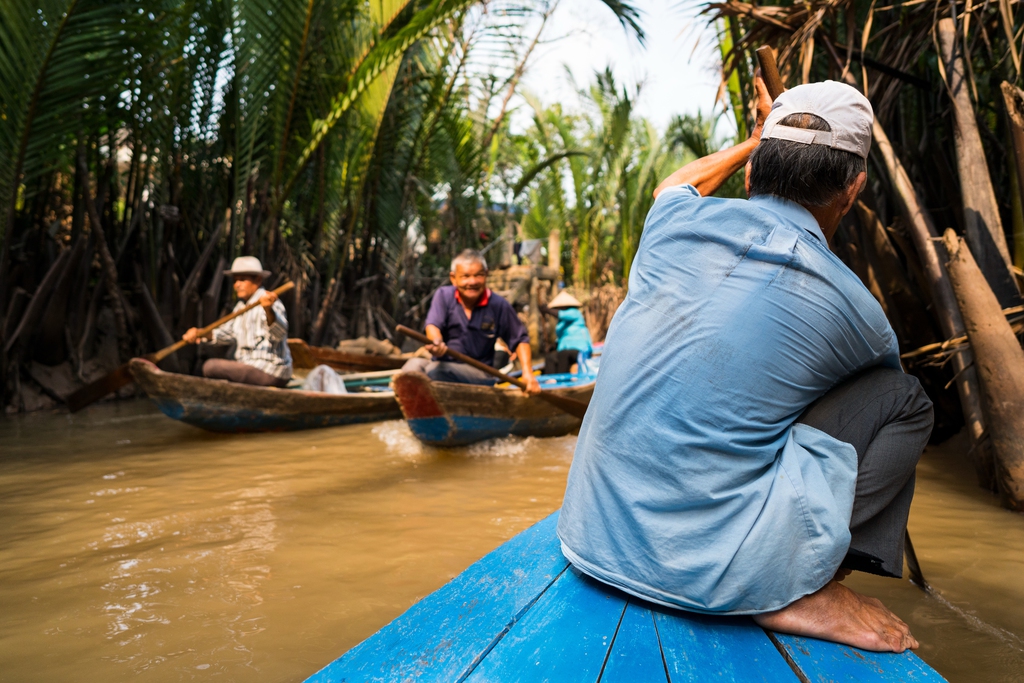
x=839, y=614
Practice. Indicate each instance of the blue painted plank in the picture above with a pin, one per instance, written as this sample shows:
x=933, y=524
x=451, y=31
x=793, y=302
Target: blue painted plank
x=699, y=647
x=826, y=662
x=564, y=638
x=636, y=654
x=462, y=430
x=444, y=635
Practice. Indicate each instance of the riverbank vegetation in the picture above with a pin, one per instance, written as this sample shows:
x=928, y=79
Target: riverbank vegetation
x=353, y=147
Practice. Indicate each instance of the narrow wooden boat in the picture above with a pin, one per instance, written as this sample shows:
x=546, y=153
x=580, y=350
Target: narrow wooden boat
x=306, y=356
x=523, y=614
x=450, y=414
x=220, y=406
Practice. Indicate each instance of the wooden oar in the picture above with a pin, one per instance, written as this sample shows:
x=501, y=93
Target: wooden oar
x=769, y=71
x=568, y=405
x=122, y=376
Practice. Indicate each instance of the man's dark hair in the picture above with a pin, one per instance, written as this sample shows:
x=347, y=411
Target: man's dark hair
x=810, y=175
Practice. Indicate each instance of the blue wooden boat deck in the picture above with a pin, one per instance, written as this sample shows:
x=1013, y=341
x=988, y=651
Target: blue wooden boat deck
x=521, y=613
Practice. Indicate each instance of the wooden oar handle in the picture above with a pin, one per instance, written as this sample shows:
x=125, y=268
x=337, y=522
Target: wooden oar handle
x=770, y=71
x=202, y=332
x=419, y=336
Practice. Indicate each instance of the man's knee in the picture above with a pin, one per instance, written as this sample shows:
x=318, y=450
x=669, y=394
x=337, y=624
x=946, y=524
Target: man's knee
x=213, y=369
x=443, y=371
x=916, y=407
x=416, y=365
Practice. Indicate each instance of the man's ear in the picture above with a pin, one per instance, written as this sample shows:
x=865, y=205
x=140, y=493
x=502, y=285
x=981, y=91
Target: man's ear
x=451, y=277
x=746, y=178
x=852, y=192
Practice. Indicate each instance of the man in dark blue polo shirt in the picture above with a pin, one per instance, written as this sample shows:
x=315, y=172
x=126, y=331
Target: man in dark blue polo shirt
x=468, y=317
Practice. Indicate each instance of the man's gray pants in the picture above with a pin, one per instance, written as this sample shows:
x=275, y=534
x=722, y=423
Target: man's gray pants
x=446, y=371
x=887, y=417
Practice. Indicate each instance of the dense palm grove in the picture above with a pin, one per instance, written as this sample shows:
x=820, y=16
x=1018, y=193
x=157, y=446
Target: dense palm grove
x=354, y=147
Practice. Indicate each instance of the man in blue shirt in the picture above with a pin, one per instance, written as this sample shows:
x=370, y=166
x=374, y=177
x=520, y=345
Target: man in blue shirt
x=751, y=437
x=468, y=317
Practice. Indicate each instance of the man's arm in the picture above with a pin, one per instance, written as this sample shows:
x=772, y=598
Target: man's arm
x=277, y=317
x=224, y=333
x=709, y=173
x=526, y=361
x=437, y=317
x=438, y=349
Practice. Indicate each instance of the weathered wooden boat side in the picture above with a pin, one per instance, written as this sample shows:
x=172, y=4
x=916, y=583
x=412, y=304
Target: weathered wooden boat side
x=450, y=414
x=221, y=406
x=306, y=356
x=522, y=613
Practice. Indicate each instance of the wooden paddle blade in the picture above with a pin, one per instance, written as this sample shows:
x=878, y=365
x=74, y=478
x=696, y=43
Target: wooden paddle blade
x=104, y=386
x=565, y=404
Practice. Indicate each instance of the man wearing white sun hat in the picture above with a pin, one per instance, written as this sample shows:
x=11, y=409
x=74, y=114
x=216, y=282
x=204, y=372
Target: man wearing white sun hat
x=751, y=438
x=262, y=357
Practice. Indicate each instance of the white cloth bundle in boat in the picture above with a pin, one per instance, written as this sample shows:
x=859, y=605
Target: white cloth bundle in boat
x=324, y=379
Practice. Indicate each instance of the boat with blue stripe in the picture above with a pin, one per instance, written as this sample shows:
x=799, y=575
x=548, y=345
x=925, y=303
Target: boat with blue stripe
x=523, y=614
x=451, y=414
x=220, y=406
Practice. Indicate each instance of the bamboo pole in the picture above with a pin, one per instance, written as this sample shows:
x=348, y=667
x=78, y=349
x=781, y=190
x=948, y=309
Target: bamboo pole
x=982, y=224
x=1014, y=99
x=924, y=235
x=1000, y=364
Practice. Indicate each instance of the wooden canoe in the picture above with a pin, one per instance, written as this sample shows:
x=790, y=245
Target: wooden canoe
x=306, y=356
x=221, y=406
x=450, y=414
x=523, y=614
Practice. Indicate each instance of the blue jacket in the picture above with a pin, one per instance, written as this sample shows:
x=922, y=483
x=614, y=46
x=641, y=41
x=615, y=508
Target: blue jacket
x=571, y=331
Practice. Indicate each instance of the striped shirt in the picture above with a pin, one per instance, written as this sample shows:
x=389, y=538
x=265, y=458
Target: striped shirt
x=264, y=347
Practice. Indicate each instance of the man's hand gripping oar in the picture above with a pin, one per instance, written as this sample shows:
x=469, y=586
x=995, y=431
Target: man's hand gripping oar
x=121, y=377
x=568, y=405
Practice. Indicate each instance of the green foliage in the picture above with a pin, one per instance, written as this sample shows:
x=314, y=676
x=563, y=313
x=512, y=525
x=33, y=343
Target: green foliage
x=335, y=139
x=592, y=176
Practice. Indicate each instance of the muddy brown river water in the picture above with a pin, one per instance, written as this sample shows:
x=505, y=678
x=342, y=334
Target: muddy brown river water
x=136, y=548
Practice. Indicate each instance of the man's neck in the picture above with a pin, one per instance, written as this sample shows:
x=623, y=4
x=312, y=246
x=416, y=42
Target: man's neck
x=828, y=218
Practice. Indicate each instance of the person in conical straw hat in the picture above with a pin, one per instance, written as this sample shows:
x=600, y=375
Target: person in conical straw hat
x=261, y=357
x=752, y=437
x=571, y=333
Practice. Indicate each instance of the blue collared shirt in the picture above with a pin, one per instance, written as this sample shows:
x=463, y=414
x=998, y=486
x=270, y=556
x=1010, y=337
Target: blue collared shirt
x=475, y=337
x=691, y=485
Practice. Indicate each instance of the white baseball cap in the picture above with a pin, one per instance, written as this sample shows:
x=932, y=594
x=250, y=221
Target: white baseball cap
x=247, y=265
x=846, y=110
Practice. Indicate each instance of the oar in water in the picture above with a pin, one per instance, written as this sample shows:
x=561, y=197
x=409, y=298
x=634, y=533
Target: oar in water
x=121, y=377
x=568, y=405
x=772, y=81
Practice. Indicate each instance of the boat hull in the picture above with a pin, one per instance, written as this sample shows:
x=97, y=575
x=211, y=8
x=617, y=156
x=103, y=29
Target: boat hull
x=227, y=407
x=449, y=414
x=523, y=613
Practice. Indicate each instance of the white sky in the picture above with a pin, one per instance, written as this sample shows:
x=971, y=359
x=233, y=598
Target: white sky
x=676, y=77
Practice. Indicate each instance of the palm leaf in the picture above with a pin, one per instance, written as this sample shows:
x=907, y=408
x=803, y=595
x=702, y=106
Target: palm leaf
x=55, y=57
